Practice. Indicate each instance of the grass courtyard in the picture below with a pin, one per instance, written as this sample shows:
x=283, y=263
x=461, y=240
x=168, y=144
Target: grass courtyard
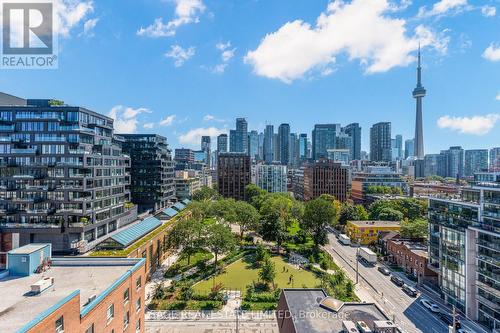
x=241, y=273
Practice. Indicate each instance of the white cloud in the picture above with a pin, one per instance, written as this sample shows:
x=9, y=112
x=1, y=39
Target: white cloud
x=488, y=11
x=186, y=11
x=476, y=125
x=492, y=53
x=193, y=136
x=364, y=29
x=125, y=118
x=180, y=54
x=498, y=97
x=148, y=125
x=88, y=27
x=227, y=53
x=210, y=117
x=167, y=121
x=444, y=7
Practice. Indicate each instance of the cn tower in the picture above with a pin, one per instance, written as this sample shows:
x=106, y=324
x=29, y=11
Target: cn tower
x=419, y=94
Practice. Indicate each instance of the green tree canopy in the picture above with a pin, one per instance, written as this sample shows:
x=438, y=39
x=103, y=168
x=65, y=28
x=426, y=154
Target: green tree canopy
x=318, y=214
x=246, y=216
x=206, y=193
x=185, y=235
x=389, y=214
x=350, y=212
x=418, y=228
x=410, y=208
x=267, y=272
x=219, y=240
x=278, y=211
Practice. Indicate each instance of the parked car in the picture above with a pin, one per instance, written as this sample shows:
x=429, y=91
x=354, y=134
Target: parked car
x=384, y=270
x=397, y=281
x=433, y=307
x=409, y=290
x=448, y=320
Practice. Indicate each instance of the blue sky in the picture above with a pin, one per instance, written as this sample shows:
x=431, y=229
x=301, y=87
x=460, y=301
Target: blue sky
x=187, y=68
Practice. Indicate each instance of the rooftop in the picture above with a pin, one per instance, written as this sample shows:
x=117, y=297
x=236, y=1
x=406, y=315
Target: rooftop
x=30, y=248
x=375, y=224
x=311, y=317
x=89, y=276
x=126, y=237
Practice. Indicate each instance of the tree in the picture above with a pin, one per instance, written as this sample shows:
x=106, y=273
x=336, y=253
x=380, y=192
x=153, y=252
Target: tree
x=389, y=214
x=219, y=240
x=319, y=214
x=253, y=191
x=350, y=212
x=268, y=271
x=418, y=228
x=186, y=235
x=224, y=209
x=261, y=254
x=278, y=212
x=206, y=193
x=199, y=209
x=246, y=216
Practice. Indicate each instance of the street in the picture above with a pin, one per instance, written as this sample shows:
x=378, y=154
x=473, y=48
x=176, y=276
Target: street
x=407, y=311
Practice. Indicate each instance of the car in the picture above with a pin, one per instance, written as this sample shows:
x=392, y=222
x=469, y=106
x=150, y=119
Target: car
x=448, y=320
x=409, y=290
x=429, y=305
x=397, y=281
x=384, y=271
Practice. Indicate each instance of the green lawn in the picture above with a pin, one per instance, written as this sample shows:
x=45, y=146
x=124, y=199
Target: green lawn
x=240, y=274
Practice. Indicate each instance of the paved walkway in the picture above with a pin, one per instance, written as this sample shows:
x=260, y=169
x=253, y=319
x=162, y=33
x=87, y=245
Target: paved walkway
x=158, y=277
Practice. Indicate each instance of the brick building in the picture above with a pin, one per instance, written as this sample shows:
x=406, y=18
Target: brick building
x=233, y=174
x=77, y=294
x=412, y=258
x=325, y=177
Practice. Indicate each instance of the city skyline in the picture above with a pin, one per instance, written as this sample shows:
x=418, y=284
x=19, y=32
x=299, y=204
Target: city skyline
x=183, y=83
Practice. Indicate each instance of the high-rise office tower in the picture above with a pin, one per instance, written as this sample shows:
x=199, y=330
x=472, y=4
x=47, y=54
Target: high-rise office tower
x=269, y=144
x=454, y=162
x=261, y=146
x=184, y=158
x=495, y=159
x=354, y=131
x=409, y=148
x=206, y=147
x=284, y=143
x=233, y=175
x=272, y=178
x=294, y=151
x=253, y=145
x=151, y=171
x=323, y=138
x=303, y=146
x=276, y=148
x=63, y=175
x=380, y=142
x=222, y=143
x=419, y=94
x=397, y=147
x=475, y=160
x=238, y=138
x=325, y=177
x=344, y=142
x=433, y=165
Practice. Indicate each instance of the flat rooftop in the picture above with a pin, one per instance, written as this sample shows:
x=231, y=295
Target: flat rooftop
x=30, y=248
x=309, y=316
x=375, y=223
x=18, y=306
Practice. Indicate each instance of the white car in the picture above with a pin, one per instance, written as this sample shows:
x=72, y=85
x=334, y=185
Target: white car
x=429, y=305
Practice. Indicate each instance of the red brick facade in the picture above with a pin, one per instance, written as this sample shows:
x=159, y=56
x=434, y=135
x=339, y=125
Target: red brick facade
x=98, y=315
x=325, y=177
x=411, y=258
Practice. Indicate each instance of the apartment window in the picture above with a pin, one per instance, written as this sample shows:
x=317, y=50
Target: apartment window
x=111, y=312
x=60, y=325
x=126, y=319
x=138, y=326
x=90, y=329
x=126, y=296
x=138, y=305
x=138, y=283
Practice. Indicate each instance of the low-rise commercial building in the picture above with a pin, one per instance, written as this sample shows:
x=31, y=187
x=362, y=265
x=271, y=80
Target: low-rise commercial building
x=375, y=176
x=313, y=311
x=412, y=258
x=77, y=294
x=186, y=183
x=366, y=232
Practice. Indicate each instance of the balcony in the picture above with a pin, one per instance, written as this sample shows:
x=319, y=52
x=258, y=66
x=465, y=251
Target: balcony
x=489, y=274
x=489, y=245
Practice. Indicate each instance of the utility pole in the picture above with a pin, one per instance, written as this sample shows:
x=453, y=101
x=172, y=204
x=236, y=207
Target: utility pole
x=357, y=261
